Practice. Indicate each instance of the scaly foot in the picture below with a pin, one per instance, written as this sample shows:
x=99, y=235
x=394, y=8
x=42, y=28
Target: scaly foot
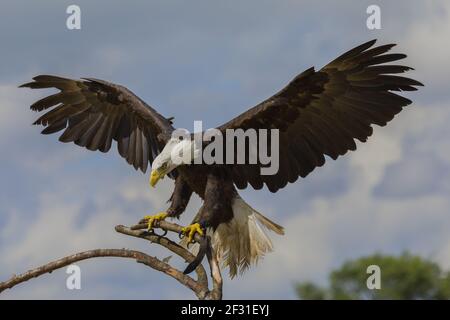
x=152, y=219
x=191, y=230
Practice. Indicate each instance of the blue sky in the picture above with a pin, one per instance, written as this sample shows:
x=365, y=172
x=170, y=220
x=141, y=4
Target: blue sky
x=209, y=61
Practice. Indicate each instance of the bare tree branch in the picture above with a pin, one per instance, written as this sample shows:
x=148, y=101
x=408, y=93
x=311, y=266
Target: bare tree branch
x=169, y=244
x=216, y=292
x=199, y=286
x=140, y=257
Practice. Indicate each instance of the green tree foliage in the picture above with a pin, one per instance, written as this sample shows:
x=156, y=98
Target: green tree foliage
x=402, y=277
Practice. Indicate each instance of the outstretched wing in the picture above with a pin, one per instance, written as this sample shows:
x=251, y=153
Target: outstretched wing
x=94, y=112
x=321, y=113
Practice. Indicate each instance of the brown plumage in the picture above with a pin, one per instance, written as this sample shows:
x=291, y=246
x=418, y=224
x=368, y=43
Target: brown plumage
x=318, y=114
x=94, y=112
x=321, y=113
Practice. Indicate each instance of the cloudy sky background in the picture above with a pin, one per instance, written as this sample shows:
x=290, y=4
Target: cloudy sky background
x=210, y=60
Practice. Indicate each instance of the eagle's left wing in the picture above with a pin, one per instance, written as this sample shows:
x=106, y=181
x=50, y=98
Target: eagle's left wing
x=321, y=113
x=92, y=113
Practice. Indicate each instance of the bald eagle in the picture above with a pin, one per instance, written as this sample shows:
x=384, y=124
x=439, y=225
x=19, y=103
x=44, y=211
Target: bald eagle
x=318, y=113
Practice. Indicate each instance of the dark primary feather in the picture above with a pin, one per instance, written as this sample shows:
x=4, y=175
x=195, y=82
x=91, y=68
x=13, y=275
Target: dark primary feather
x=322, y=113
x=92, y=113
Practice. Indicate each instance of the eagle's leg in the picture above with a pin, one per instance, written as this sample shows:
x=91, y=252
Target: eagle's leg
x=216, y=209
x=219, y=194
x=178, y=202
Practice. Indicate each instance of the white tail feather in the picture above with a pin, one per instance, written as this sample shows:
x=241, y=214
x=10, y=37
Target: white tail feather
x=241, y=242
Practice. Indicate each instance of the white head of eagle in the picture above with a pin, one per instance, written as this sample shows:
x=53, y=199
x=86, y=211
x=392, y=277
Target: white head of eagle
x=176, y=152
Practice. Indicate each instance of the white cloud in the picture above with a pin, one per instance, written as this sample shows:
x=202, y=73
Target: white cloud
x=427, y=45
x=13, y=111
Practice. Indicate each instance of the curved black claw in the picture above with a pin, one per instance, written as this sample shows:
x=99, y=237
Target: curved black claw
x=164, y=234
x=153, y=233
x=189, y=243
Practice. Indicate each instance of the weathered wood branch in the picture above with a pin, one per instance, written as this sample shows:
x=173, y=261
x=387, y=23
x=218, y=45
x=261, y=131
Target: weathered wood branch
x=199, y=286
x=169, y=244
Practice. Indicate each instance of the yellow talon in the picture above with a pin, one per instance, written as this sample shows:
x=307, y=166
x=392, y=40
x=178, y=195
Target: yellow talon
x=191, y=230
x=152, y=219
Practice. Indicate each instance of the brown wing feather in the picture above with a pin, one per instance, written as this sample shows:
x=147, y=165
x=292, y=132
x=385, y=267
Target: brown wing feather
x=94, y=112
x=321, y=113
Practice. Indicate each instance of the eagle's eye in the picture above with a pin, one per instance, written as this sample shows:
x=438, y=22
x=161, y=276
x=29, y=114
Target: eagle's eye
x=163, y=166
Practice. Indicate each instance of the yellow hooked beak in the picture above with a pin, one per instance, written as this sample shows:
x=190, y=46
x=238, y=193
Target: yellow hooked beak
x=155, y=176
